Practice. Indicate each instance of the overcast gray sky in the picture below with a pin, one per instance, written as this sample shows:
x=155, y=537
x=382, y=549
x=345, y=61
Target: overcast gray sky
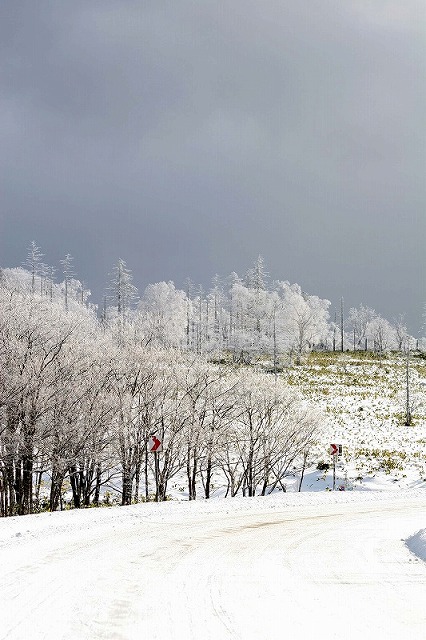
x=189, y=136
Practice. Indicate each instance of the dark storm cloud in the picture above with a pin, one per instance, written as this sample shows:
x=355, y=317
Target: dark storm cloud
x=188, y=137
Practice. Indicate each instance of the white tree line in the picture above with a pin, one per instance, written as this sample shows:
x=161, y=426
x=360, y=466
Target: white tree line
x=244, y=319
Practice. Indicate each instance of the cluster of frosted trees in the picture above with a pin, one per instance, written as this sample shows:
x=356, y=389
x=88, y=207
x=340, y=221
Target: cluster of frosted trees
x=368, y=330
x=241, y=318
x=247, y=319
x=80, y=397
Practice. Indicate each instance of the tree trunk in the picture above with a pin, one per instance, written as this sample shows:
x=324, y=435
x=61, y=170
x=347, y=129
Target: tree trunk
x=55, y=489
x=265, y=483
x=305, y=457
x=250, y=474
x=18, y=488
x=27, y=477
x=75, y=486
x=9, y=488
x=127, y=487
x=137, y=481
x=191, y=471
x=98, y=485
x=39, y=477
x=208, y=477
x=3, y=494
x=146, y=475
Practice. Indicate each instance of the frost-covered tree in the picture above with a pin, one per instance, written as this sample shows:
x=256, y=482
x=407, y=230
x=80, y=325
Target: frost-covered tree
x=123, y=293
x=34, y=263
x=163, y=315
x=382, y=335
x=132, y=387
x=271, y=428
x=256, y=276
x=359, y=320
x=68, y=272
x=36, y=341
x=401, y=331
x=305, y=318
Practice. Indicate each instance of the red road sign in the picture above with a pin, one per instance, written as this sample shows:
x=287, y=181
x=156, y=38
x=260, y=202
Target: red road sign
x=334, y=449
x=154, y=444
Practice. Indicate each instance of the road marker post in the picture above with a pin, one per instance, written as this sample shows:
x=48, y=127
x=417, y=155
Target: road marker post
x=335, y=450
x=155, y=445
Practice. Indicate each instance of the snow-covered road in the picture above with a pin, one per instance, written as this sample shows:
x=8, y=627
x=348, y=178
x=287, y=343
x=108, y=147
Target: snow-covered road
x=337, y=568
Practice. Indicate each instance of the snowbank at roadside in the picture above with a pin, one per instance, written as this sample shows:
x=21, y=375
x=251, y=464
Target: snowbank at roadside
x=417, y=544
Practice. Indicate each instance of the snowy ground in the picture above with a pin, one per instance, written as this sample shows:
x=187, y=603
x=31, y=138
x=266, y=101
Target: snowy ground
x=363, y=401
x=334, y=564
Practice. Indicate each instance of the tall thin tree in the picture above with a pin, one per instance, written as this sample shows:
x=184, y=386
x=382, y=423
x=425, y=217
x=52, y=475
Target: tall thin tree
x=67, y=270
x=123, y=292
x=34, y=263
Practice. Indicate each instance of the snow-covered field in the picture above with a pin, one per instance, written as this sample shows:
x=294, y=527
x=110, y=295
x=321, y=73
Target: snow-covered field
x=335, y=564
x=363, y=400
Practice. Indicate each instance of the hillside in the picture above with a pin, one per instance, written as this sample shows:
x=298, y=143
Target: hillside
x=363, y=398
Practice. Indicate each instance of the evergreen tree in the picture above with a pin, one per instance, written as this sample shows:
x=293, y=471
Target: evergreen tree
x=124, y=294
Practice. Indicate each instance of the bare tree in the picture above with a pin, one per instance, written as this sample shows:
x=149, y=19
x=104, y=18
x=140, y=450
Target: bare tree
x=123, y=291
x=33, y=262
x=67, y=270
